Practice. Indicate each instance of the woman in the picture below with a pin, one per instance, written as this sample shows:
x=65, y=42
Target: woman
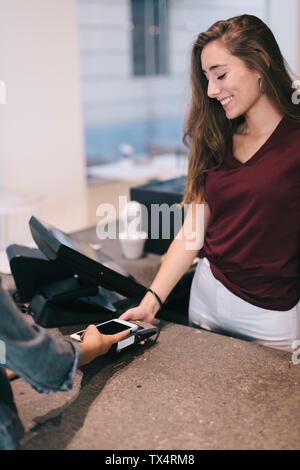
x=243, y=132
x=48, y=364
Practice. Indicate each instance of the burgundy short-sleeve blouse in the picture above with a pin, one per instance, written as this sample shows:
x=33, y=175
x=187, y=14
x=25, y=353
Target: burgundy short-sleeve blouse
x=253, y=238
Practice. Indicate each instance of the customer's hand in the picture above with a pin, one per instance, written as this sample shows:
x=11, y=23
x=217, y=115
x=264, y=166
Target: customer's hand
x=138, y=313
x=95, y=344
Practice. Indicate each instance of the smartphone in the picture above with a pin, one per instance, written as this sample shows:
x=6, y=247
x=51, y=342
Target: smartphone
x=112, y=327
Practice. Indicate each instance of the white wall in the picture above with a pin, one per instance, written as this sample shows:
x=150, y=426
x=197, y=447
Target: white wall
x=105, y=51
x=283, y=21
x=298, y=42
x=41, y=132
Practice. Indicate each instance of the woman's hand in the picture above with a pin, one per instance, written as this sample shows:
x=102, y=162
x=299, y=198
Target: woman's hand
x=138, y=313
x=96, y=344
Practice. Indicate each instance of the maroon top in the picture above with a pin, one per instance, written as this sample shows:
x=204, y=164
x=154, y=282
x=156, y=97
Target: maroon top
x=253, y=238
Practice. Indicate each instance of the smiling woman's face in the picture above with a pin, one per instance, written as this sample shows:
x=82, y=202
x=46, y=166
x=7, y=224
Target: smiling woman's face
x=229, y=80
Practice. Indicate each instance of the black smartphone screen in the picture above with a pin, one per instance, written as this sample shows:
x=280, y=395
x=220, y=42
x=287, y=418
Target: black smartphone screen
x=112, y=328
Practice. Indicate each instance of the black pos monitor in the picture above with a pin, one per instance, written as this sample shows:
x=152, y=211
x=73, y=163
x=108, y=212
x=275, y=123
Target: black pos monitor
x=67, y=282
x=81, y=259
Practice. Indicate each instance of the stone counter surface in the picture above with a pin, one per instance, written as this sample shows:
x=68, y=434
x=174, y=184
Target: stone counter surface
x=192, y=390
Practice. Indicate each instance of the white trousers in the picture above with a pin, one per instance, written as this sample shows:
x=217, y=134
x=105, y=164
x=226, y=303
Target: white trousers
x=213, y=307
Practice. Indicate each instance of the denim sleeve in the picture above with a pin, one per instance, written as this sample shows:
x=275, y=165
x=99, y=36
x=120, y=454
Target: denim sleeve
x=46, y=363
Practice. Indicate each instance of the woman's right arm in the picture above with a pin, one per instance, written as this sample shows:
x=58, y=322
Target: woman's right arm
x=180, y=255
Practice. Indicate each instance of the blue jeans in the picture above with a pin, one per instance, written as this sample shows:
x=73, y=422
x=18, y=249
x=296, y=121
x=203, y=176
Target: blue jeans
x=48, y=364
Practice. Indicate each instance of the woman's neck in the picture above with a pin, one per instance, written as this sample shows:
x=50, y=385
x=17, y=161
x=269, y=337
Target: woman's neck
x=260, y=119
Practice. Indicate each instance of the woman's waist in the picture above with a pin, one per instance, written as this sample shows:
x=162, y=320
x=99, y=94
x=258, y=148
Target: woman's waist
x=253, y=266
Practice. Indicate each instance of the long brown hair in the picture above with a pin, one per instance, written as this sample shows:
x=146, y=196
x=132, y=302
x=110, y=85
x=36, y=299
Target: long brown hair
x=207, y=131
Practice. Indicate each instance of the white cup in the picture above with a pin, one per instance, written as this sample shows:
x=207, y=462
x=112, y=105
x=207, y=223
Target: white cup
x=133, y=244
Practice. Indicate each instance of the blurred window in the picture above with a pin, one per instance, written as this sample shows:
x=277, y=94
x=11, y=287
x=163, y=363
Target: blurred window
x=150, y=35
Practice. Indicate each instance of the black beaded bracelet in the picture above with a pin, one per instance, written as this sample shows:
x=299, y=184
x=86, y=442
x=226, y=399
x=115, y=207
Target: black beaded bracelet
x=156, y=296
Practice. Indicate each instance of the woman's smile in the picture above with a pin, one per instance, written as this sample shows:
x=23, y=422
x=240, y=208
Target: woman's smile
x=226, y=101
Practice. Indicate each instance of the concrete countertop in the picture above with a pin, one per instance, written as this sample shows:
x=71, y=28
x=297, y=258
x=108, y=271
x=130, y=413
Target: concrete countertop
x=192, y=390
